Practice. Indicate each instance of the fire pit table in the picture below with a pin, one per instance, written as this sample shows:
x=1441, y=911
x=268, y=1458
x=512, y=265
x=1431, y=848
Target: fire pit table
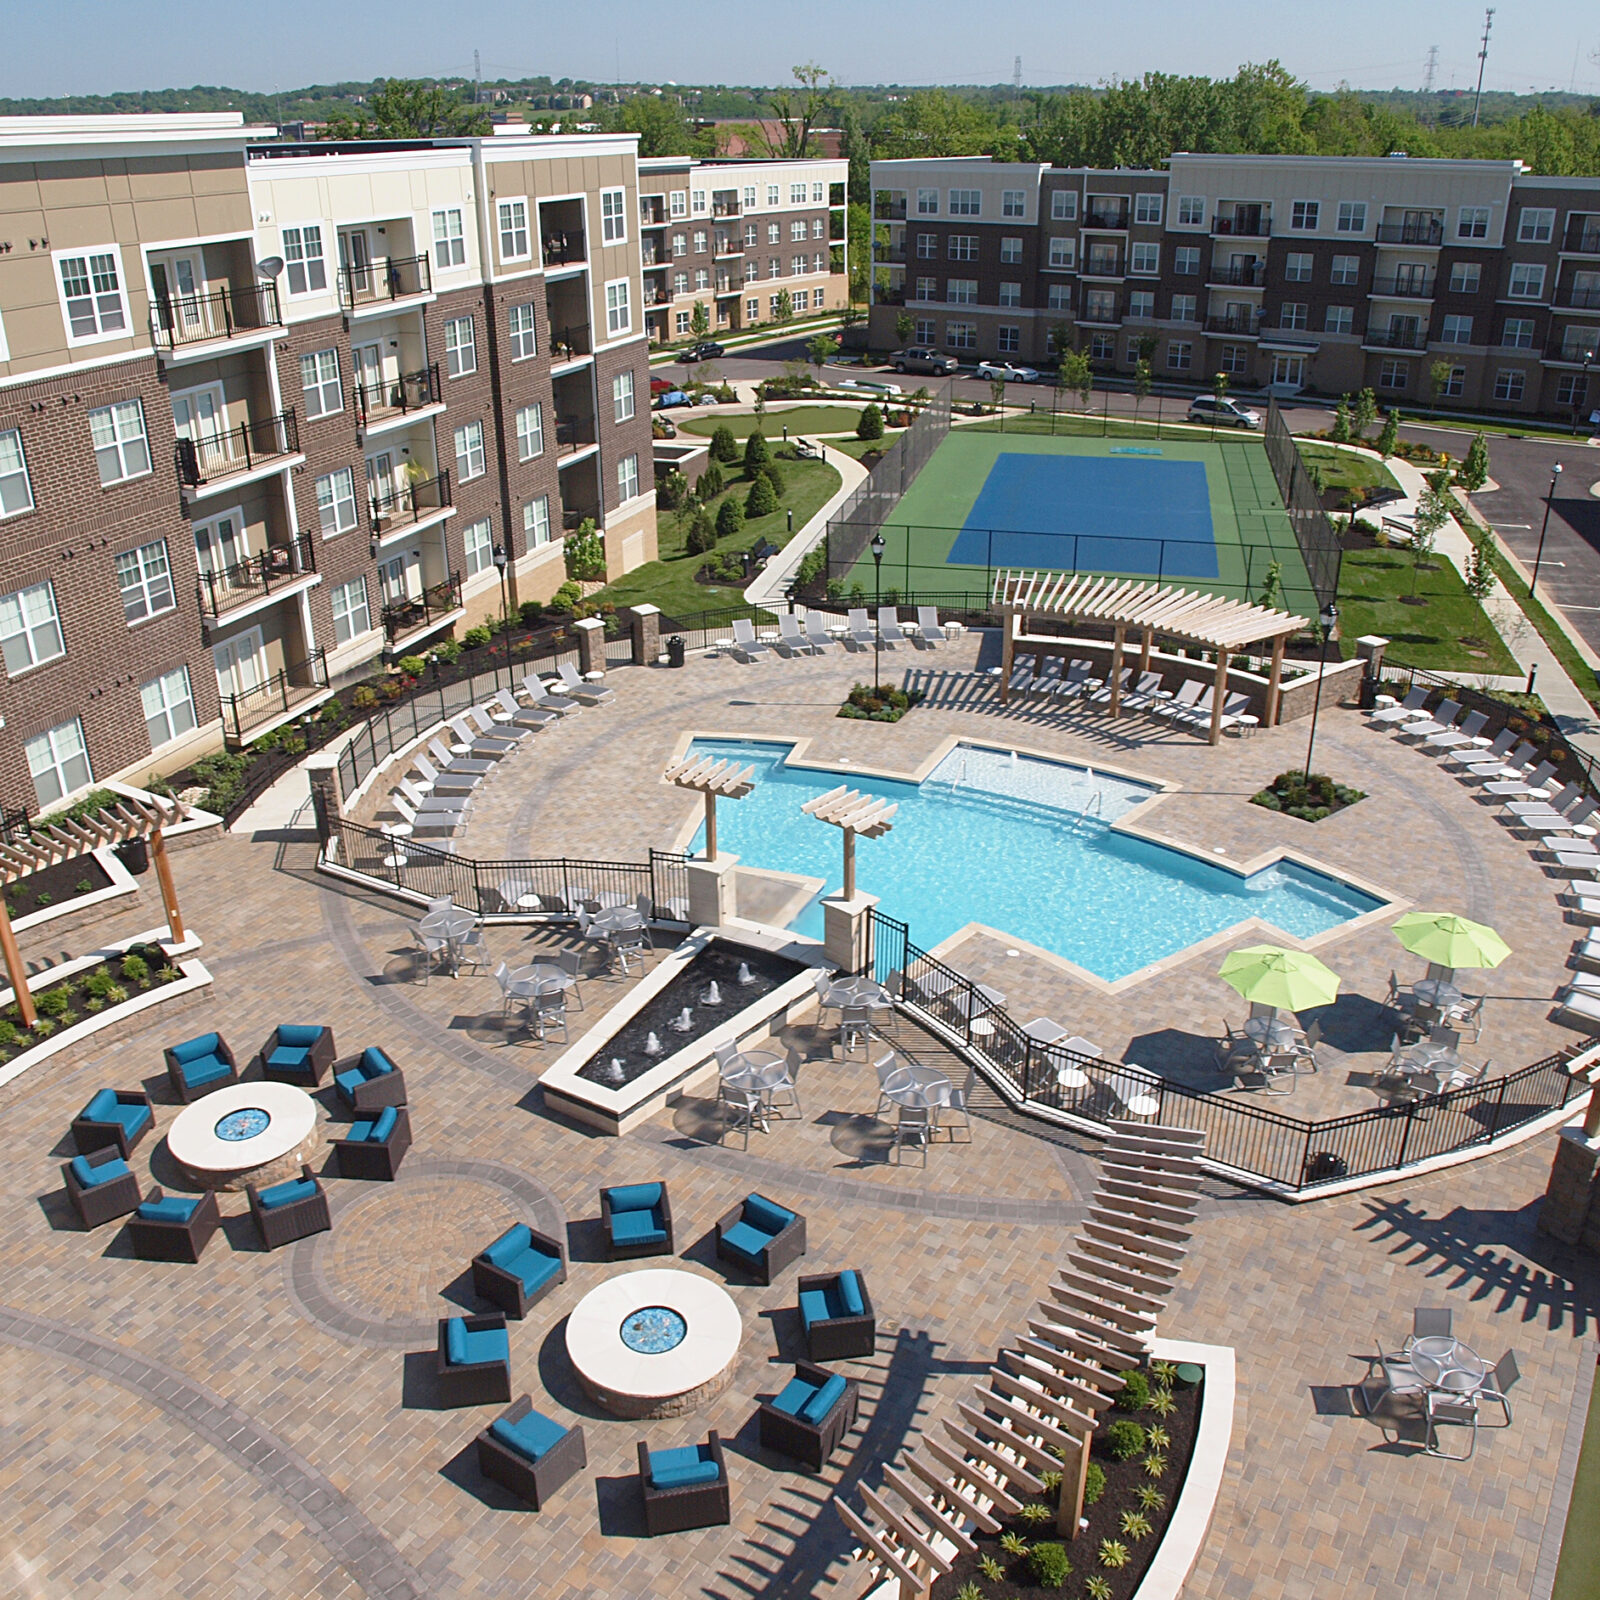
x=246, y=1133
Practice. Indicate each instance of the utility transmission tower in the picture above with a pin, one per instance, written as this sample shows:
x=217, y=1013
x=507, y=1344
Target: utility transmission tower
x=1433, y=67
x=1483, y=57
x=477, y=79
x=1016, y=78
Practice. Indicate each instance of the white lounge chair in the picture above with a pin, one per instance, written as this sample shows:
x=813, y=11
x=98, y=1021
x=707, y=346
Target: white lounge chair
x=590, y=694
x=1538, y=808
x=791, y=637
x=1182, y=704
x=1532, y=783
x=1143, y=694
x=889, y=626
x=483, y=719
x=541, y=699
x=1102, y=695
x=1575, y=821
x=817, y=635
x=1410, y=708
x=427, y=825
x=506, y=709
x=928, y=626
x=1454, y=738
x=459, y=765
x=468, y=741
x=1075, y=681
x=1510, y=766
x=862, y=634
x=442, y=783
x=745, y=642
x=1466, y=756
x=423, y=803
x=1443, y=719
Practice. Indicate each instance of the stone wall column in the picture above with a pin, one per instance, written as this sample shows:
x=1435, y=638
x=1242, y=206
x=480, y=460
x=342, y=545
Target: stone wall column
x=712, y=900
x=845, y=935
x=646, y=634
x=327, y=794
x=591, y=633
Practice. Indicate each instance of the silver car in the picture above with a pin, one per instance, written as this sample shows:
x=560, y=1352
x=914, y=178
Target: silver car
x=1227, y=413
x=1006, y=371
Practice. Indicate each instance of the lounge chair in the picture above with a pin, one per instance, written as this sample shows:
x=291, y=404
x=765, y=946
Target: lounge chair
x=284, y=1212
x=1554, y=806
x=518, y=1269
x=120, y=1117
x=1075, y=681
x=1473, y=755
x=459, y=765
x=808, y=1418
x=445, y=785
x=1454, y=738
x=1573, y=821
x=1443, y=719
x=889, y=626
x=479, y=719
x=1530, y=784
x=375, y=1146
x=1182, y=704
x=505, y=708
x=470, y=742
x=862, y=634
x=1409, y=708
x=589, y=694
x=453, y=805
x=761, y=1237
x=928, y=627
x=684, y=1488
x=298, y=1053
x=473, y=1365
x=1511, y=766
x=430, y=825
x=817, y=635
x=1143, y=693
x=1102, y=696
x=543, y=699
x=791, y=638
x=1234, y=710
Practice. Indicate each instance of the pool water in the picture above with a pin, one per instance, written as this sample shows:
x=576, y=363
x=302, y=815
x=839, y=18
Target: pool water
x=1021, y=844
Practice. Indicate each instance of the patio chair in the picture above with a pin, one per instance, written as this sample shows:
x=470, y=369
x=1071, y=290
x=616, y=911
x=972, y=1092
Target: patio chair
x=520, y=1268
x=1453, y=738
x=284, y=1212
x=482, y=718
x=783, y=1099
x=1143, y=694
x=374, y=1147
x=119, y=1117
x=889, y=626
x=791, y=637
x=1468, y=755
x=1443, y=718
x=546, y=1008
x=428, y=804
x=1410, y=708
x=101, y=1187
x=1575, y=821
x=427, y=824
x=1555, y=806
x=476, y=767
x=1182, y=704
x=173, y=1227
x=1579, y=1010
x=862, y=633
x=369, y=1081
x=298, y=1053
x=543, y=699
x=808, y=1418
x=508, y=711
x=630, y=944
x=817, y=635
x=1388, y=1378
x=637, y=1219
x=928, y=629
x=473, y=1362
x=475, y=744
x=1304, y=1049
x=885, y=1067
x=1495, y=1384
x=443, y=785
x=1277, y=1067
x=429, y=950
x=199, y=1065
x=1509, y=766
x=836, y=1313
x=1529, y=784
x=1429, y=1322
x=1458, y=1409
x=761, y=1237
x=1102, y=695
x=473, y=950
x=745, y=642
x=530, y=1455
x=685, y=1488
x=589, y=694
x=1134, y=1090
x=740, y=1110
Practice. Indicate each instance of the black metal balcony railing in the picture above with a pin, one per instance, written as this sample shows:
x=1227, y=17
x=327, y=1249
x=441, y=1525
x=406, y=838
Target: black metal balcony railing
x=884, y=295
x=575, y=517
x=185, y=319
x=411, y=615
x=1405, y=286
x=1104, y=312
x=224, y=588
x=1396, y=338
x=725, y=208
x=1102, y=264
x=727, y=245
x=889, y=210
x=230, y=451
x=564, y=247
x=1583, y=237
x=274, y=697
x=567, y=344
x=380, y=282
x=1106, y=217
x=1577, y=299
x=889, y=252
x=1245, y=277
x=1237, y=327
x=573, y=433
x=655, y=295
x=1243, y=225
x=1578, y=346
x=397, y=507
x=652, y=214
x=1426, y=233
x=651, y=257
x=376, y=402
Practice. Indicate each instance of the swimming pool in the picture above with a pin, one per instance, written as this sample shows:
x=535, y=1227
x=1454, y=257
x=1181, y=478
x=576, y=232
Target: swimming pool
x=1022, y=844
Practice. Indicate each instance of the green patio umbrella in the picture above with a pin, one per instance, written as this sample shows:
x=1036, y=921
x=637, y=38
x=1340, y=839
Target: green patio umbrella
x=1450, y=941
x=1266, y=975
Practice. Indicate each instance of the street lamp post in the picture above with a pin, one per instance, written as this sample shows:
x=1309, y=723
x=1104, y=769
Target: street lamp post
x=1544, y=528
x=877, y=596
x=1329, y=617
x=500, y=564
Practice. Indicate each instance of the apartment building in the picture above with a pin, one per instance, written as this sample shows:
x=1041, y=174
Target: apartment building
x=737, y=236
x=1322, y=275
x=268, y=411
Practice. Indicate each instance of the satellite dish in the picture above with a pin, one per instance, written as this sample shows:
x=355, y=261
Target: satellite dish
x=270, y=267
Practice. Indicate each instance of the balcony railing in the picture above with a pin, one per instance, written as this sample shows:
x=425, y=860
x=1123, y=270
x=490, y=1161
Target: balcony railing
x=376, y=402
x=1098, y=264
x=565, y=247
x=1578, y=346
x=225, y=588
x=404, y=617
x=651, y=257
x=889, y=252
x=184, y=319
x=889, y=210
x=573, y=519
x=573, y=433
x=1104, y=313
x=1577, y=299
x=567, y=344
x=1238, y=327
x=1583, y=237
x=276, y=697
x=380, y=282
x=230, y=451
x=1396, y=338
x=1106, y=217
x=652, y=214
x=1411, y=232
x=397, y=507
x=1247, y=225
x=725, y=208
x=884, y=295
x=655, y=295
x=727, y=245
x=1413, y=287
x=1251, y=277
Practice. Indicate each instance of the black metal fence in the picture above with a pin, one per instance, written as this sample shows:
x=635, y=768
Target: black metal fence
x=273, y=698
x=1313, y=531
x=1263, y=1144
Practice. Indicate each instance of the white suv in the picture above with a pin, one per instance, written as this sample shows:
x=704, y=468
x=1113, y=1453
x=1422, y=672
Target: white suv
x=1230, y=413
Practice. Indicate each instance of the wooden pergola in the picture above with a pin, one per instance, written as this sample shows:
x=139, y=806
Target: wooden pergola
x=854, y=813
x=710, y=777
x=73, y=837
x=1185, y=616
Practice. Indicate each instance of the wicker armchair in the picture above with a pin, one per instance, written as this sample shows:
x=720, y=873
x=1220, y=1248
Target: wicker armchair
x=678, y=1491
x=638, y=1221
x=809, y=1417
x=288, y=1211
x=120, y=1117
x=298, y=1053
x=174, y=1228
x=474, y=1360
x=369, y=1081
x=761, y=1237
x=527, y=1453
x=199, y=1065
x=101, y=1187
x=374, y=1148
x=519, y=1268
x=838, y=1316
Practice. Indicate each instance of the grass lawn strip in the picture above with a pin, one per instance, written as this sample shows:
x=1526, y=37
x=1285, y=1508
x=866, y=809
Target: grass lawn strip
x=1578, y=1575
x=841, y=418
x=1343, y=469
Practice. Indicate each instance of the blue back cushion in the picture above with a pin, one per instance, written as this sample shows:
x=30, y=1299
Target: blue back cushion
x=533, y=1436
x=103, y=1107
x=297, y=1036
x=509, y=1245
x=285, y=1194
x=455, y=1342
x=190, y=1049
x=636, y=1197
x=173, y=1208
x=89, y=1176
x=850, y=1293
x=762, y=1213
x=792, y=1396
x=824, y=1400
x=385, y=1124
x=374, y=1063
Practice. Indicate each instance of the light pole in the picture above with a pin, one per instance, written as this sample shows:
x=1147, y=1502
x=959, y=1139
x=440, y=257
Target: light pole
x=500, y=567
x=1329, y=617
x=1544, y=527
x=877, y=597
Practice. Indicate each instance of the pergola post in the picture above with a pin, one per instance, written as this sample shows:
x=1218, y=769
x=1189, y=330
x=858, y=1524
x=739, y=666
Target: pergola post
x=711, y=778
x=169, y=894
x=15, y=969
x=1116, y=672
x=1074, y=1480
x=1008, y=623
x=1144, y=653
x=711, y=825
x=849, y=864
x=1269, y=717
x=1219, y=693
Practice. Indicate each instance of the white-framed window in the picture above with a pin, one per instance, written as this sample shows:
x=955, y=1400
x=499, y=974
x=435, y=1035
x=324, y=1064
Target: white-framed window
x=748, y=196
x=1103, y=347
x=627, y=478
x=924, y=332
x=966, y=202
x=1472, y=222
x=92, y=298
x=460, y=347
x=1180, y=355
x=1010, y=251
x=1235, y=358
x=802, y=299
x=1345, y=270
x=1352, y=216
x=927, y=246
x=680, y=321
x=1297, y=267
x=336, y=502
x=819, y=228
x=536, y=522
x=351, y=614
x=680, y=282
x=619, y=309
x=1191, y=211
x=961, y=335
x=477, y=539
x=752, y=306
x=168, y=703
x=1013, y=203
x=530, y=432
x=144, y=580
x=797, y=230
x=773, y=302
x=319, y=379
x=1509, y=383
x=1063, y=251
x=1011, y=294
x=1144, y=257
x=1535, y=225
x=449, y=239
x=1063, y=205
x=1517, y=333
x=752, y=235
x=1394, y=376
x=797, y=194
x=523, y=338
x=1142, y=303
x=1465, y=276
x=772, y=194
x=1186, y=260
x=1456, y=330
x=16, y=493
x=1059, y=297
x=1455, y=385
x=752, y=270
x=30, y=628
x=1304, y=215
x=702, y=278
x=797, y=266
x=697, y=202
x=1147, y=208
x=774, y=233
x=819, y=191
x=1294, y=314
x=470, y=462
x=622, y=396
x=305, y=268
x=961, y=291
x=1338, y=319
x=819, y=263
x=700, y=240
x=927, y=289
x=613, y=217
x=1185, y=308
x=121, y=449
x=678, y=203
x=58, y=759
x=1527, y=280
x=1571, y=388
x=1008, y=340
x=513, y=219
x=680, y=244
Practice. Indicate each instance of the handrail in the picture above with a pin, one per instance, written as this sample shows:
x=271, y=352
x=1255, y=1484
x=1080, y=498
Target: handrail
x=220, y=589
x=392, y=278
x=407, y=616
x=183, y=319
x=229, y=451
x=408, y=392
x=242, y=712
x=392, y=505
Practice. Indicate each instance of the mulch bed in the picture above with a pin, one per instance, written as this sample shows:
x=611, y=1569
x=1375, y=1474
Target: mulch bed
x=87, y=993
x=1310, y=800
x=55, y=885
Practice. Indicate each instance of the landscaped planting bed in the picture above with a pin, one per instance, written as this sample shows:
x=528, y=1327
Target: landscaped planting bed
x=55, y=886
x=88, y=992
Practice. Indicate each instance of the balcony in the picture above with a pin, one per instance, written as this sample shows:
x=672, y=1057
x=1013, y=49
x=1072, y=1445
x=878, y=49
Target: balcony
x=725, y=245
x=393, y=507
x=1570, y=299
x=1582, y=237
x=223, y=314
x=226, y=589
x=1423, y=233
x=574, y=434
x=895, y=253
x=377, y=403
x=649, y=256
x=571, y=343
x=655, y=295
x=565, y=247
x=382, y=283
x=1577, y=347
x=1405, y=286
x=1100, y=313
x=724, y=208
x=1395, y=338
x=1235, y=327
x=1106, y=216
x=886, y=295
x=1103, y=264
x=298, y=686
x=407, y=619
x=1251, y=222
x=210, y=460
x=652, y=212
x=889, y=210
x=1250, y=277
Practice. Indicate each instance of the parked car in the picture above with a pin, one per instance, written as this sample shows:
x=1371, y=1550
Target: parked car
x=673, y=397
x=1007, y=372
x=1229, y=413
x=921, y=358
x=706, y=350
x=660, y=386
x=871, y=386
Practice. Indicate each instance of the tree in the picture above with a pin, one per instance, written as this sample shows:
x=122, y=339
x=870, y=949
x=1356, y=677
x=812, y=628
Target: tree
x=757, y=453
x=1479, y=576
x=1077, y=373
x=1473, y=472
x=724, y=447
x=702, y=532
x=585, y=552
x=1143, y=377
x=1219, y=385
x=660, y=123
x=672, y=490
x=730, y=518
x=997, y=392
x=1390, y=436
x=774, y=475
x=783, y=311
x=1272, y=586
x=870, y=425
x=406, y=109
x=699, y=320
x=1341, y=420
x=1364, y=414
x=819, y=349
x=1432, y=513
x=762, y=500
x=798, y=111
x=904, y=326
x=761, y=404
x=711, y=483
x=1439, y=375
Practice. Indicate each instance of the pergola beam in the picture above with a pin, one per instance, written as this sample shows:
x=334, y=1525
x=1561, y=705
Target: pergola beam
x=709, y=777
x=854, y=813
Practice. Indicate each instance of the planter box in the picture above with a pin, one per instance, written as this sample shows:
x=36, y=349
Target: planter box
x=120, y=894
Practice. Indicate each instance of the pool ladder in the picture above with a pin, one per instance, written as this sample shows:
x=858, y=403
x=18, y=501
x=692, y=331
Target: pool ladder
x=1095, y=808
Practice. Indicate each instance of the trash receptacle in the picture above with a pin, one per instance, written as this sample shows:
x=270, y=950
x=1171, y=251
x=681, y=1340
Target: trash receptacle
x=134, y=854
x=675, y=650
x=1369, y=693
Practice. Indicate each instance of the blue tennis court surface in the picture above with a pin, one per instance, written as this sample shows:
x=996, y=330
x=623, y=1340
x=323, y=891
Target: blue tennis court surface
x=1091, y=514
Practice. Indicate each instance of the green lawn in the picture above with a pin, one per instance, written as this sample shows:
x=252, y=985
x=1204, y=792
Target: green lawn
x=798, y=419
x=1342, y=470
x=1578, y=1574
x=670, y=583
x=1450, y=633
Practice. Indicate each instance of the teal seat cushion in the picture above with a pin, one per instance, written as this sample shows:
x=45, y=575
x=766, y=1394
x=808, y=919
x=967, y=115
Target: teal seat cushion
x=813, y=1306
x=792, y=1396
x=298, y=1036
x=761, y=1213
x=360, y=1132
x=850, y=1294
x=533, y=1436
x=682, y=1477
x=204, y=1069
x=491, y=1344
x=173, y=1208
x=509, y=1245
x=823, y=1401
x=103, y=1107
x=133, y=1118
x=91, y=1177
x=204, y=1044
x=286, y=1194
x=291, y=1057
x=635, y=1197
x=637, y=1227
x=348, y=1083
x=385, y=1123
x=374, y=1063
x=746, y=1241
x=534, y=1267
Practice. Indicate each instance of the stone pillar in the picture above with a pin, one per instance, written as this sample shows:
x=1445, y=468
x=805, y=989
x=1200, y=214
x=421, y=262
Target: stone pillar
x=1370, y=648
x=712, y=900
x=844, y=937
x=646, y=634
x=591, y=633
x=1571, y=1209
x=327, y=797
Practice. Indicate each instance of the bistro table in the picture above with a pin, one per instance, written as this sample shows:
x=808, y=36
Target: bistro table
x=858, y=993
x=759, y=1070
x=1272, y=1034
x=921, y=1088
x=543, y=977
x=519, y=892
x=1443, y=1362
x=1437, y=992
x=452, y=925
x=619, y=919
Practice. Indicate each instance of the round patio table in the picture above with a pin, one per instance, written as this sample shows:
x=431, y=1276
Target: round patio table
x=1437, y=992
x=1429, y=1055
x=922, y=1088
x=448, y=924
x=858, y=992
x=618, y=919
x=760, y=1070
x=544, y=977
x=1446, y=1363
x=1272, y=1033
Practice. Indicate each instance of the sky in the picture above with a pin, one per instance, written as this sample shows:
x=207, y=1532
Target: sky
x=96, y=46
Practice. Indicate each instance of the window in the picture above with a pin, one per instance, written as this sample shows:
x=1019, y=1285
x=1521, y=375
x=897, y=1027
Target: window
x=1456, y=330
x=1063, y=251
x=924, y=331
x=120, y=448
x=961, y=291
x=513, y=230
x=1013, y=203
x=1338, y=319
x=1100, y=305
x=1235, y=358
x=523, y=340
x=927, y=246
x=961, y=335
x=613, y=219
x=30, y=628
x=1297, y=268
x=927, y=289
x=477, y=539
x=1142, y=303
x=1063, y=205
x=1472, y=222
x=797, y=194
x=469, y=449
x=1571, y=390
x=1185, y=307
x=1144, y=258
x=1518, y=333
x=1180, y=355
x=697, y=202
x=797, y=230
x=622, y=396
x=1346, y=270
x=1455, y=385
x=1394, y=376
x=702, y=278
x=752, y=270
x=1186, y=260
x=1011, y=251
x=1305, y=214
x=1059, y=297
x=927, y=202
x=774, y=267
x=1103, y=347
x=1527, y=281
x=963, y=247
x=772, y=304
x=1508, y=384
x=818, y=193
x=748, y=196
x=336, y=502
x=772, y=194
x=16, y=494
x=168, y=705
x=1465, y=277
x=966, y=202
x=319, y=378
x=144, y=579
x=530, y=431
x=1191, y=211
x=536, y=522
x=1535, y=226
x=802, y=299
x=449, y=241
x=1147, y=208
x=1294, y=314
x=1011, y=294
x=819, y=229
x=797, y=266
x=1352, y=216
x=678, y=203
x=1008, y=340
x=700, y=241
x=59, y=762
x=819, y=263
x=351, y=616
x=680, y=321
x=619, y=309
x=91, y=295
x=680, y=244
x=680, y=282
x=752, y=307
x=460, y=347
x=627, y=478
x=752, y=234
